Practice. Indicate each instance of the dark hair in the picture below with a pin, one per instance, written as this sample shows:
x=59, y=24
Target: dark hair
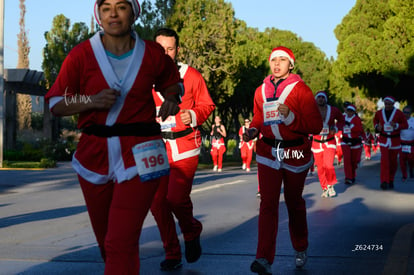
x=169, y=33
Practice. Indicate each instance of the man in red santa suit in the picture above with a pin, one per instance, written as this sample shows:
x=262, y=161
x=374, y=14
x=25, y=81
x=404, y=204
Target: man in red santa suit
x=368, y=141
x=182, y=138
x=389, y=122
x=107, y=80
x=351, y=143
x=246, y=148
x=285, y=113
x=324, y=144
x=407, y=145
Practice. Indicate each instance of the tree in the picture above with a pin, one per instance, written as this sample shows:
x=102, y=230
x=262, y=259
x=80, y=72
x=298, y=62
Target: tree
x=24, y=101
x=153, y=16
x=376, y=49
x=59, y=41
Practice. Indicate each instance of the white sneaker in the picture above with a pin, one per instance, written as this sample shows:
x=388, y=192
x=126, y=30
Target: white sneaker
x=300, y=259
x=324, y=193
x=244, y=166
x=247, y=169
x=331, y=191
x=219, y=170
x=215, y=168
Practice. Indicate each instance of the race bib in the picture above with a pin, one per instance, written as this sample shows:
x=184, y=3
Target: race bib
x=406, y=149
x=167, y=124
x=325, y=131
x=388, y=127
x=346, y=130
x=151, y=159
x=271, y=113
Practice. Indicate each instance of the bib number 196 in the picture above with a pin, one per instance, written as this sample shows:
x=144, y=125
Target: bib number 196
x=151, y=159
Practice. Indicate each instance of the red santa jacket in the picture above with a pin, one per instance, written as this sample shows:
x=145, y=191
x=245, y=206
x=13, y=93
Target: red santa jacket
x=304, y=119
x=334, y=120
x=352, y=132
x=390, y=137
x=197, y=99
x=85, y=72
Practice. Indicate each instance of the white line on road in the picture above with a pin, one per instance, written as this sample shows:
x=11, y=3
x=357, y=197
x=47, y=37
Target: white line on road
x=216, y=186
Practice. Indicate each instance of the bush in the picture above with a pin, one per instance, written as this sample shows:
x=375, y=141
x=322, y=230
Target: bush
x=47, y=163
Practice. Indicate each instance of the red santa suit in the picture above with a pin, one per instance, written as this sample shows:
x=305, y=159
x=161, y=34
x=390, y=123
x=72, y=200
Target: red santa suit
x=407, y=149
x=339, y=154
x=246, y=149
x=183, y=149
x=368, y=141
x=389, y=141
x=324, y=147
x=283, y=155
x=218, y=148
x=351, y=146
x=117, y=200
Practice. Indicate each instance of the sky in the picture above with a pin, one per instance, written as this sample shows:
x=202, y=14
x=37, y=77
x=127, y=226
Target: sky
x=312, y=20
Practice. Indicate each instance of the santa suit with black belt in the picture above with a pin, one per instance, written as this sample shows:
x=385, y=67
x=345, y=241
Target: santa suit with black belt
x=246, y=149
x=389, y=141
x=407, y=149
x=351, y=145
x=118, y=187
x=283, y=155
x=324, y=146
x=183, y=149
x=218, y=147
x=368, y=143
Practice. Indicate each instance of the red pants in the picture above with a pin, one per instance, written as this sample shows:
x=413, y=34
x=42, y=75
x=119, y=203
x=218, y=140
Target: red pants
x=117, y=213
x=352, y=157
x=246, y=155
x=173, y=197
x=270, y=181
x=217, y=155
x=367, y=150
x=406, y=158
x=339, y=153
x=388, y=164
x=326, y=171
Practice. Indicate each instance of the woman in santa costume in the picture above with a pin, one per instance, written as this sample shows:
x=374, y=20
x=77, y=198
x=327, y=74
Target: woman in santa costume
x=324, y=144
x=351, y=143
x=108, y=80
x=246, y=148
x=218, y=146
x=285, y=113
x=389, y=122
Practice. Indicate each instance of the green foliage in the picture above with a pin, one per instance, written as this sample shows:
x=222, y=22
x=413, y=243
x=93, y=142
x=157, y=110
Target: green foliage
x=59, y=41
x=376, y=47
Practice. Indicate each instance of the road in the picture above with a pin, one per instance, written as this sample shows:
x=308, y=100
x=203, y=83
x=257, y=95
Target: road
x=44, y=227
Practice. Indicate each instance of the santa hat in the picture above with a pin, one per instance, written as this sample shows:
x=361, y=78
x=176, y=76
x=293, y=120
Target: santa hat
x=136, y=8
x=322, y=93
x=351, y=107
x=283, y=51
x=389, y=98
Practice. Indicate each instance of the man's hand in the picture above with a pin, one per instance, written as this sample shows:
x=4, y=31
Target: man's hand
x=250, y=134
x=169, y=108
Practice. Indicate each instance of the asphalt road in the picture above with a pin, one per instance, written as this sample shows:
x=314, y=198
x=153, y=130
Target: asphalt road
x=44, y=227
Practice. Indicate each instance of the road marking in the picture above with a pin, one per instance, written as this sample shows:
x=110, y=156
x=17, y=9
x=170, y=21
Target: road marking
x=215, y=186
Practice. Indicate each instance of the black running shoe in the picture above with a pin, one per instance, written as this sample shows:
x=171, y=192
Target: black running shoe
x=171, y=264
x=193, y=250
